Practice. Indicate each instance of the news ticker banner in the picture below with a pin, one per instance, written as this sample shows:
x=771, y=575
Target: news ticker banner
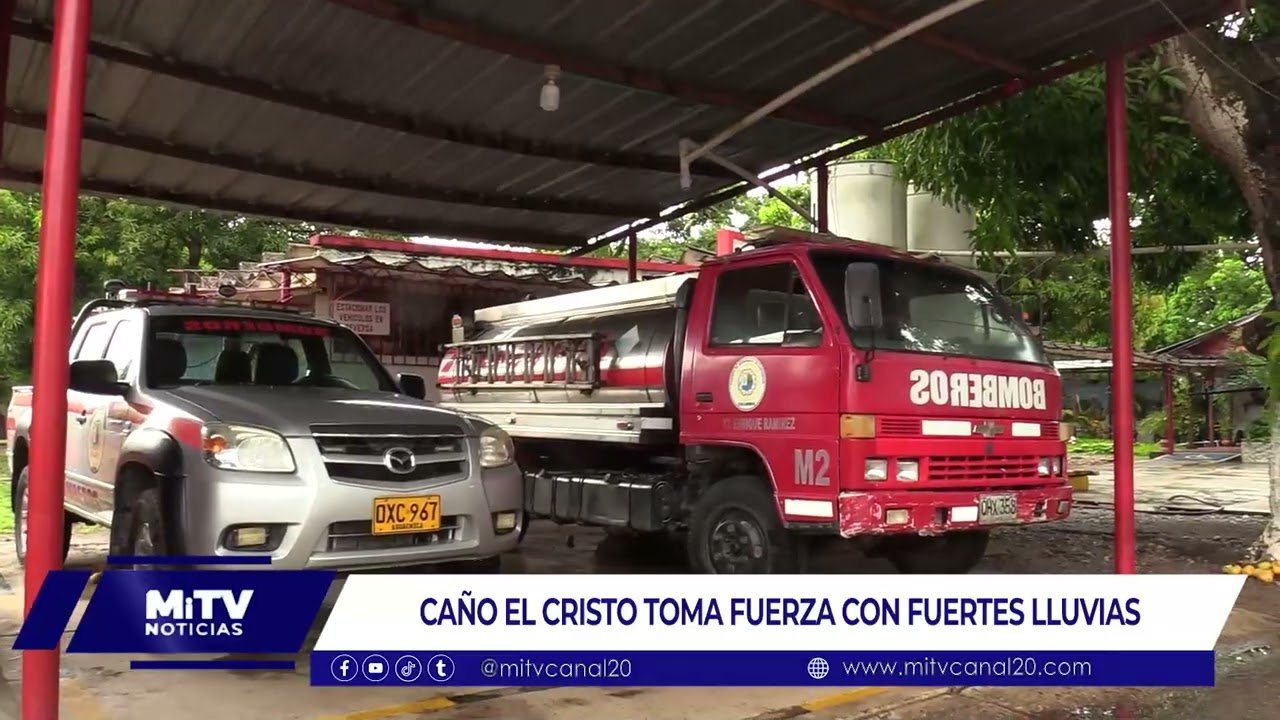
x=788, y=631
x=652, y=630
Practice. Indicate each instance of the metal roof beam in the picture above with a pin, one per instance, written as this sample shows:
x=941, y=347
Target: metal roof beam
x=469, y=33
x=864, y=15
x=387, y=120
x=100, y=133
x=436, y=228
x=955, y=109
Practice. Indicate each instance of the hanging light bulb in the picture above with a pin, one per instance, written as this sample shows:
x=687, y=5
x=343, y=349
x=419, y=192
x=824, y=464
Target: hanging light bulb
x=549, y=99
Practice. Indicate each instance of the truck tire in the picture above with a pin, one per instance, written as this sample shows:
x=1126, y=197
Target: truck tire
x=146, y=532
x=735, y=530
x=20, y=520
x=950, y=554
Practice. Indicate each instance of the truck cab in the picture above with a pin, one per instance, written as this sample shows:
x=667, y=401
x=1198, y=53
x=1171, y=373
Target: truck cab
x=809, y=387
x=214, y=428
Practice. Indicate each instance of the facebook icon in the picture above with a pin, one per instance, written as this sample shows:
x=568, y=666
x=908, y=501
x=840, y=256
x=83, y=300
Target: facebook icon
x=440, y=668
x=343, y=668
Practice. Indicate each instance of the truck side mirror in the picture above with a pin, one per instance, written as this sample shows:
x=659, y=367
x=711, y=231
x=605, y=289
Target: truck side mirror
x=95, y=377
x=862, y=296
x=412, y=385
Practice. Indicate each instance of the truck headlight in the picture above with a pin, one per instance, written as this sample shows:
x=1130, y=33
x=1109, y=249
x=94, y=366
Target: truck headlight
x=239, y=447
x=496, y=449
x=908, y=470
x=1045, y=467
x=875, y=470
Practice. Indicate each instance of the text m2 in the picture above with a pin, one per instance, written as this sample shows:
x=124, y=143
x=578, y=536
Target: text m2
x=813, y=467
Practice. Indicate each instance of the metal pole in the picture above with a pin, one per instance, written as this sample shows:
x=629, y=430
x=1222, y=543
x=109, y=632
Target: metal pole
x=632, y=252
x=286, y=286
x=6, y=35
x=54, y=278
x=691, y=153
x=822, y=194
x=1208, y=407
x=1121, y=315
x=1169, y=405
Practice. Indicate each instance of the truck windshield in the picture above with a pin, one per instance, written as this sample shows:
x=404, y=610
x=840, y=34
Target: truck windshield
x=213, y=350
x=935, y=309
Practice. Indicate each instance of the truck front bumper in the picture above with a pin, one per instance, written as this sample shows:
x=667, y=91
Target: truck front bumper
x=933, y=513
x=327, y=524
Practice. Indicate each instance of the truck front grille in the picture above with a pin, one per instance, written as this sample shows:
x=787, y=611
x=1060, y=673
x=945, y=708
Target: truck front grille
x=354, y=535
x=380, y=453
x=979, y=469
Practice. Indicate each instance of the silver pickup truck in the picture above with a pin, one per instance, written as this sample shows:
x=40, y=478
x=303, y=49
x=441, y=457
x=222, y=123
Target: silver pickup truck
x=218, y=429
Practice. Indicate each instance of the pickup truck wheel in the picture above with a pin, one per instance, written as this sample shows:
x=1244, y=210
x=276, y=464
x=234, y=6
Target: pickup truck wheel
x=735, y=529
x=950, y=554
x=21, y=498
x=146, y=536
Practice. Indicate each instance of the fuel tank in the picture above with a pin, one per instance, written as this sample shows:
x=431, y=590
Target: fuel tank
x=611, y=345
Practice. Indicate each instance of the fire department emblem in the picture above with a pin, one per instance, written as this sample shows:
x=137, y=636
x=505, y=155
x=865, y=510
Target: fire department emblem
x=746, y=384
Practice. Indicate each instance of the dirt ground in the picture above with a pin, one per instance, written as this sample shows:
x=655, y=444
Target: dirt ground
x=97, y=687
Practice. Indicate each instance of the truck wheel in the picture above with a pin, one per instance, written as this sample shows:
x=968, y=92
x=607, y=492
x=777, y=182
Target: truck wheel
x=735, y=529
x=21, y=498
x=146, y=528
x=950, y=554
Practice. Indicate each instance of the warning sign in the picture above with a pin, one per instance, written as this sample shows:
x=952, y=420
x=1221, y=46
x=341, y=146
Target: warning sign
x=365, y=318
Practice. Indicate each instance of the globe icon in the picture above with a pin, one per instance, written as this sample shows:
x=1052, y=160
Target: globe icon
x=818, y=668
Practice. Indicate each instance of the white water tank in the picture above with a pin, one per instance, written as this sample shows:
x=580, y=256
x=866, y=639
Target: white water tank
x=867, y=200
x=934, y=225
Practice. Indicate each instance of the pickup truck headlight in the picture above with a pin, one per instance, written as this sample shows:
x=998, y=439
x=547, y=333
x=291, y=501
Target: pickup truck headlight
x=496, y=449
x=239, y=447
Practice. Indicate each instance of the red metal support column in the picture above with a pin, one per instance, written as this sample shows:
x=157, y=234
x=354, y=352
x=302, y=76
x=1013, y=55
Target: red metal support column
x=632, y=251
x=1121, y=314
x=52, y=309
x=821, y=195
x=1210, y=435
x=1169, y=406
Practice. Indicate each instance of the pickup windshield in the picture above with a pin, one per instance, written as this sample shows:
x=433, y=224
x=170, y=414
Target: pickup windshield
x=935, y=309
x=213, y=350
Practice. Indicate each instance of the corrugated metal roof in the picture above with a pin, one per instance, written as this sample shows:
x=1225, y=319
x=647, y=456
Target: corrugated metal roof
x=1070, y=356
x=322, y=110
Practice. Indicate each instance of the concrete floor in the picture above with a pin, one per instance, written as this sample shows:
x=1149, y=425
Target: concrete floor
x=1232, y=487
x=96, y=687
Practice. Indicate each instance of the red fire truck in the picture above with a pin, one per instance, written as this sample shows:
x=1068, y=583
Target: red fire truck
x=807, y=387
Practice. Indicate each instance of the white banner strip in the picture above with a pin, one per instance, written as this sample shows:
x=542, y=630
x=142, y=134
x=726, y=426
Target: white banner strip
x=799, y=612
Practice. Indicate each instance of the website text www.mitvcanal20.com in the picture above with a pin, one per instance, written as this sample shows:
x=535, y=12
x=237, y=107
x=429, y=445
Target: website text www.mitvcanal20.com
x=921, y=668
x=929, y=668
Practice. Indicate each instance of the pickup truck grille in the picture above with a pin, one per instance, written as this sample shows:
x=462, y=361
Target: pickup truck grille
x=360, y=453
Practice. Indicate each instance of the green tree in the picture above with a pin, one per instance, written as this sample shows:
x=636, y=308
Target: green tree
x=117, y=239
x=698, y=230
x=1214, y=293
x=1203, y=114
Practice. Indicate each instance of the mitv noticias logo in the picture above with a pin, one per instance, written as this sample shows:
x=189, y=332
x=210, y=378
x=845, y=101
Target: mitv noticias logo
x=196, y=613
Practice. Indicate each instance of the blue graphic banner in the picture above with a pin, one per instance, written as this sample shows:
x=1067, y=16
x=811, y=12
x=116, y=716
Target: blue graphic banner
x=187, y=612
x=763, y=669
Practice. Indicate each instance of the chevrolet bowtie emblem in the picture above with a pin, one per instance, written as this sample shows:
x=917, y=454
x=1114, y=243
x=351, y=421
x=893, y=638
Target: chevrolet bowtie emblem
x=988, y=429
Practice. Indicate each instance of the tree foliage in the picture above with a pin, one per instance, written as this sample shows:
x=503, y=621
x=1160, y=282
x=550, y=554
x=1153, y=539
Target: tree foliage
x=117, y=239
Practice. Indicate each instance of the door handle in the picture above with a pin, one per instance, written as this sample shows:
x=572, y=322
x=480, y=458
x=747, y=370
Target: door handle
x=82, y=418
x=705, y=397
